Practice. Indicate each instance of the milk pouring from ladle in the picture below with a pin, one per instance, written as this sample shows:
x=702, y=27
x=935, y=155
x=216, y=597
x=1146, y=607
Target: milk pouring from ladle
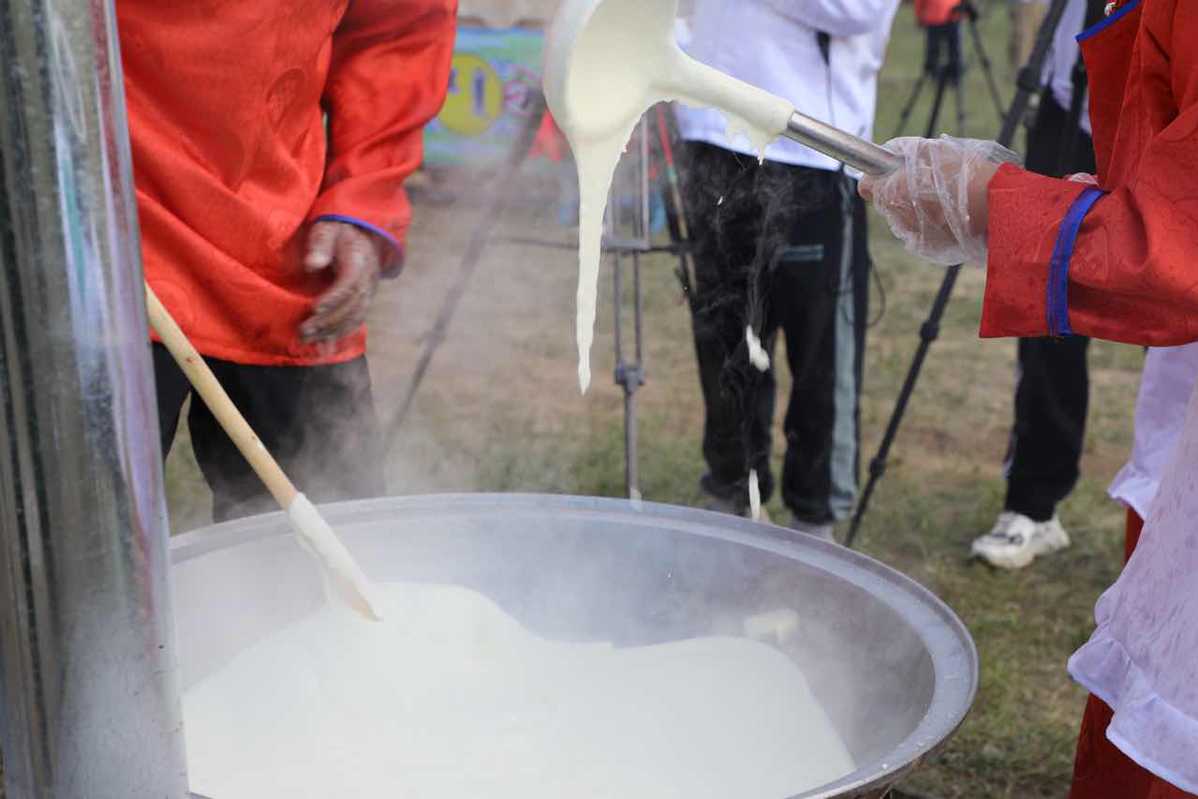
x=593, y=42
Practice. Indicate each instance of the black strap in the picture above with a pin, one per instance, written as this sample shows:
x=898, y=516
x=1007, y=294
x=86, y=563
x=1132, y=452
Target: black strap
x=824, y=40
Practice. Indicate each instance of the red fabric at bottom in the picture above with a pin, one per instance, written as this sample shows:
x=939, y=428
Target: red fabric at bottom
x=1101, y=770
x=1135, y=526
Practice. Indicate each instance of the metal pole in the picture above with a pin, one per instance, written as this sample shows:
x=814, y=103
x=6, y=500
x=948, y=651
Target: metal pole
x=844, y=147
x=626, y=378
x=617, y=274
x=89, y=704
x=636, y=381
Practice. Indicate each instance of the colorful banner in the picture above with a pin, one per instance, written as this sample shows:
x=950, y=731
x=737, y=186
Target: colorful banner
x=495, y=75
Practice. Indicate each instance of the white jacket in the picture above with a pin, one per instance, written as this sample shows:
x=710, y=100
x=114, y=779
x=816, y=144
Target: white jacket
x=772, y=44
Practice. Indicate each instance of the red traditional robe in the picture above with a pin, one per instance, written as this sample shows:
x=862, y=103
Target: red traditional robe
x=232, y=162
x=1120, y=261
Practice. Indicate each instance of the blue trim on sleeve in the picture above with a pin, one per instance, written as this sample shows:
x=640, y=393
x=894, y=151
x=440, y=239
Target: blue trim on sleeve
x=1100, y=26
x=1062, y=254
x=362, y=223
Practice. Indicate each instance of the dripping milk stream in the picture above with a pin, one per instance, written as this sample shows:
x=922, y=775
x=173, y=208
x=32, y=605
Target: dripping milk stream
x=616, y=70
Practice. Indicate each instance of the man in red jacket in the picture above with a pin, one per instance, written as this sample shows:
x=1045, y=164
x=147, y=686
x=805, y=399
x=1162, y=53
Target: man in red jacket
x=270, y=143
x=1109, y=256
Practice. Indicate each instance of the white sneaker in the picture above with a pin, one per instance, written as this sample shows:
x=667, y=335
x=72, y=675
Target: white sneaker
x=1016, y=540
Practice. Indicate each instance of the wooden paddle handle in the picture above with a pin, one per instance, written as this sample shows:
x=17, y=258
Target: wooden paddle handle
x=214, y=396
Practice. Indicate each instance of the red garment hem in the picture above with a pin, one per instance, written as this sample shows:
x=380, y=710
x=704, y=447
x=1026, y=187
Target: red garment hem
x=245, y=357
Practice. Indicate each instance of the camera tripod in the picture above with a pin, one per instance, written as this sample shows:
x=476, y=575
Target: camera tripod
x=944, y=64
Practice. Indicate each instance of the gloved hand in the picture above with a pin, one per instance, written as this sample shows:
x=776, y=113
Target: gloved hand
x=936, y=202
x=356, y=257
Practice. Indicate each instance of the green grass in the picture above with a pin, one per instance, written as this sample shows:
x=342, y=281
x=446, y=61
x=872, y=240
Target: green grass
x=500, y=412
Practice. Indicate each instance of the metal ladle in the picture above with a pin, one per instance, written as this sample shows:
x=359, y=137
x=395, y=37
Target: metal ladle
x=592, y=40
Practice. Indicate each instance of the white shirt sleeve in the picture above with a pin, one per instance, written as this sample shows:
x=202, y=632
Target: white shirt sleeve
x=836, y=17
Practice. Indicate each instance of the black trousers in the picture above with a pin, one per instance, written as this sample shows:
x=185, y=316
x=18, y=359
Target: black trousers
x=783, y=249
x=1053, y=394
x=318, y=422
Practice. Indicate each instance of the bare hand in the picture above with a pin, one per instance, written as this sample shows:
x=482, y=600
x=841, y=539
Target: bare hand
x=355, y=256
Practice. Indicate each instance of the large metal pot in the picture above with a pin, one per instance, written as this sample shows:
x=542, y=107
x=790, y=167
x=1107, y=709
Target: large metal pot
x=894, y=667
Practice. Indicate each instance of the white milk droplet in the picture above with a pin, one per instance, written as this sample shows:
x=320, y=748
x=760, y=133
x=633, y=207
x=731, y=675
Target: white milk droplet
x=754, y=496
x=757, y=354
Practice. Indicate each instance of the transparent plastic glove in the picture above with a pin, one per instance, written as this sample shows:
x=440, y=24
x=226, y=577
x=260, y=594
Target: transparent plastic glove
x=936, y=202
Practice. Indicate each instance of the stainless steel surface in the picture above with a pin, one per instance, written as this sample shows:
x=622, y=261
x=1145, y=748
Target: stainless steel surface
x=88, y=679
x=895, y=669
x=844, y=147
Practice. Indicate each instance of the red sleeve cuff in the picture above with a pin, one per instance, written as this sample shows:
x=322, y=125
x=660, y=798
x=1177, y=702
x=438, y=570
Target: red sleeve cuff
x=1026, y=211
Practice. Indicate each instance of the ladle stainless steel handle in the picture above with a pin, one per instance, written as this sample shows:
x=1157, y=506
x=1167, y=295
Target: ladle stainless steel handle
x=844, y=147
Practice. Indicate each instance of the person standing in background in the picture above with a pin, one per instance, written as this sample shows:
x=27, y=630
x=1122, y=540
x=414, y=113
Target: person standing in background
x=264, y=231
x=781, y=245
x=1053, y=392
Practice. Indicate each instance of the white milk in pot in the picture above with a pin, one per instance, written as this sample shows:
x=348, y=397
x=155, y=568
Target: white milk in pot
x=451, y=698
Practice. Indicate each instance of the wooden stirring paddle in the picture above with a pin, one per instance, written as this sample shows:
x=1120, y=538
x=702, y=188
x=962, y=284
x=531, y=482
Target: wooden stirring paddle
x=342, y=572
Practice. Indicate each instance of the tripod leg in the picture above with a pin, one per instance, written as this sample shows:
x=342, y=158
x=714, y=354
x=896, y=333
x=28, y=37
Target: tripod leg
x=905, y=116
x=987, y=67
x=639, y=315
x=636, y=378
x=631, y=471
x=928, y=333
x=622, y=373
x=960, y=97
x=937, y=104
